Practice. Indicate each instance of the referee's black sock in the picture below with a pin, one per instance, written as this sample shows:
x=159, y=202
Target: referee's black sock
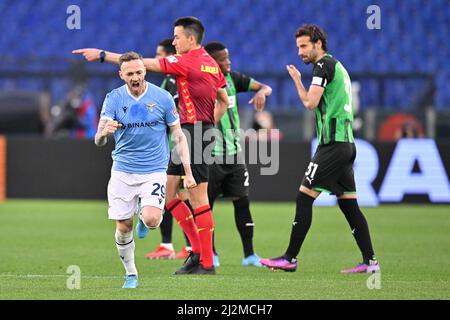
x=301, y=224
x=359, y=227
x=244, y=224
x=166, y=227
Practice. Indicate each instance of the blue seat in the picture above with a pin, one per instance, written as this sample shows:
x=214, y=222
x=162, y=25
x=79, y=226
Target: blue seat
x=260, y=34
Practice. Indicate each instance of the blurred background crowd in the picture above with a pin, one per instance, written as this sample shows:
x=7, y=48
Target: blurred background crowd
x=399, y=72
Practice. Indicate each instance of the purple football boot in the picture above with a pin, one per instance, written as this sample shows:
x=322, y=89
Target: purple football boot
x=280, y=263
x=372, y=267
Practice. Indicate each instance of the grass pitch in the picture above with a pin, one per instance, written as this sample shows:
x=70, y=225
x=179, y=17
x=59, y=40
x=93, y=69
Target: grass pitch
x=40, y=239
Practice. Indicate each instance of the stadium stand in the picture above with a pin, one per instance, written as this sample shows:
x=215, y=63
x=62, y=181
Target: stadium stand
x=412, y=40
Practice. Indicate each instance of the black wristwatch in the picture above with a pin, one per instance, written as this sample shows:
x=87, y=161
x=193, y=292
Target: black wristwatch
x=102, y=56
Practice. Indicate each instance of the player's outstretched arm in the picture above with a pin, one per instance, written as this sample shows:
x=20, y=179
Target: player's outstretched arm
x=309, y=98
x=262, y=91
x=183, y=150
x=221, y=105
x=105, y=129
x=152, y=65
x=92, y=54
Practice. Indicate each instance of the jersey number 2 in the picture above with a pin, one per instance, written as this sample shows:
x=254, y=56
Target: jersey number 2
x=246, y=182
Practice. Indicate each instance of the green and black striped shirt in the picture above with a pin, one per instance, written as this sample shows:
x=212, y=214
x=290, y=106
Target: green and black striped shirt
x=334, y=114
x=229, y=141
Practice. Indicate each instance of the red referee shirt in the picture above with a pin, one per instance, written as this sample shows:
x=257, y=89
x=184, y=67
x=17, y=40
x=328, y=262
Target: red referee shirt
x=198, y=79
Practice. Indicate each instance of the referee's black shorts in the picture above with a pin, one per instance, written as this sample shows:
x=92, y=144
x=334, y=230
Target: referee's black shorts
x=199, y=151
x=331, y=169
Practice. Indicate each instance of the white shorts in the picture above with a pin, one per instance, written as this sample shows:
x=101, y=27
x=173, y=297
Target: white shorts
x=125, y=190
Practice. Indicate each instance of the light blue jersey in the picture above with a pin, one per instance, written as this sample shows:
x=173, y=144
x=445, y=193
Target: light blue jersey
x=141, y=144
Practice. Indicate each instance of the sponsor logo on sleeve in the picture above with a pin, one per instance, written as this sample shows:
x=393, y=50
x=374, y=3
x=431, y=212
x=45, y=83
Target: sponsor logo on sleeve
x=172, y=59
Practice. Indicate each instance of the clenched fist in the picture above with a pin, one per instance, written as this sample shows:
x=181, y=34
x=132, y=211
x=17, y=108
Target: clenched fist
x=110, y=128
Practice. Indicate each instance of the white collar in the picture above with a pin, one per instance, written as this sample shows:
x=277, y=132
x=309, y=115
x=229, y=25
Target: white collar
x=143, y=93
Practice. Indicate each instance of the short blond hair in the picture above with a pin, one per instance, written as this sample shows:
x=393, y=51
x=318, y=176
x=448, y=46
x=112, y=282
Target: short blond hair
x=130, y=56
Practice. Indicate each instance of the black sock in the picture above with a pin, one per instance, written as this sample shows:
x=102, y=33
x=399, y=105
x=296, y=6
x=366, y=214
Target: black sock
x=359, y=227
x=166, y=226
x=244, y=224
x=301, y=224
x=214, y=245
x=211, y=205
x=186, y=240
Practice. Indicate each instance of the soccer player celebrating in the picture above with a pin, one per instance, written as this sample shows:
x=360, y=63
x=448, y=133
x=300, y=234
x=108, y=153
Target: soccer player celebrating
x=331, y=168
x=231, y=179
x=137, y=114
x=200, y=84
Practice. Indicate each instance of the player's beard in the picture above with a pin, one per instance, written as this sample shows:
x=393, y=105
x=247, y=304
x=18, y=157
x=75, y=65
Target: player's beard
x=311, y=56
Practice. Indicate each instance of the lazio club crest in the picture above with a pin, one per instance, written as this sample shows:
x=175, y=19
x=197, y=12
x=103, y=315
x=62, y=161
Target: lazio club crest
x=150, y=106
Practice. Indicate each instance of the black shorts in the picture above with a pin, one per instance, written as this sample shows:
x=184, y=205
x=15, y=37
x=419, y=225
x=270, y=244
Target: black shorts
x=228, y=180
x=197, y=145
x=331, y=169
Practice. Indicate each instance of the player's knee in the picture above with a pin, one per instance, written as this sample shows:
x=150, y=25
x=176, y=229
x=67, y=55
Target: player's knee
x=310, y=192
x=348, y=196
x=199, y=197
x=170, y=196
x=304, y=198
x=197, y=202
x=348, y=205
x=124, y=226
x=152, y=221
x=241, y=202
x=183, y=196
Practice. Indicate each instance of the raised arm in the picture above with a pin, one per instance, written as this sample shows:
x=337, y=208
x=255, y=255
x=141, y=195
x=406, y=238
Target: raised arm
x=221, y=105
x=310, y=98
x=92, y=54
x=181, y=144
x=152, y=65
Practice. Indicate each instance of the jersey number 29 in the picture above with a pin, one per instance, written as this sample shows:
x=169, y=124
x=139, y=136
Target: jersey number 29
x=159, y=190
